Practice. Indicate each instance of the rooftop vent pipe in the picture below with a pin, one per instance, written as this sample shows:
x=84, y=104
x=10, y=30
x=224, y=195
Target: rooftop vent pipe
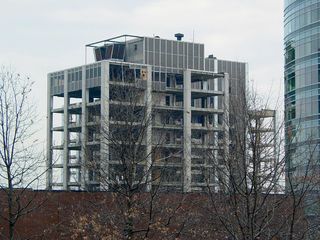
x=179, y=36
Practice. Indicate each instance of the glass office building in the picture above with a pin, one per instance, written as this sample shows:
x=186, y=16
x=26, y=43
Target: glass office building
x=302, y=85
x=302, y=97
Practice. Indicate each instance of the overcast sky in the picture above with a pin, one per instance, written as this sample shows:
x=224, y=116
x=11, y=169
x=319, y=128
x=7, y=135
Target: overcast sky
x=41, y=36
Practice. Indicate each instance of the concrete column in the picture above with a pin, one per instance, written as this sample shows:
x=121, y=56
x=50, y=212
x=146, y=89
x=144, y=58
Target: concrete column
x=226, y=118
x=275, y=138
x=144, y=51
x=215, y=124
x=84, y=133
x=104, y=126
x=187, y=131
x=148, y=102
x=65, y=132
x=275, y=163
x=215, y=104
x=215, y=120
x=215, y=82
x=215, y=117
x=49, y=135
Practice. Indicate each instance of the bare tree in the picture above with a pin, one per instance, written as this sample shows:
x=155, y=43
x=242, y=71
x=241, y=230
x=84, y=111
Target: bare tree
x=255, y=203
x=19, y=161
x=130, y=165
x=302, y=181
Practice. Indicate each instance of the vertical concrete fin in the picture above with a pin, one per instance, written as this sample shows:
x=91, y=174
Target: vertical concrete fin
x=49, y=135
x=104, y=144
x=187, y=131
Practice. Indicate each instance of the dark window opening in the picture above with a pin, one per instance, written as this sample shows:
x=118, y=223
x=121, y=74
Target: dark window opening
x=167, y=100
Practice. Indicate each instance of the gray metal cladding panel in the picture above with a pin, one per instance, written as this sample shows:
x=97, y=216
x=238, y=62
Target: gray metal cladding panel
x=185, y=62
x=150, y=58
x=175, y=48
x=157, y=45
x=234, y=69
x=169, y=47
x=196, y=50
x=156, y=69
x=220, y=85
x=169, y=60
x=181, y=62
x=190, y=55
x=134, y=52
x=158, y=86
x=145, y=57
x=201, y=67
x=196, y=63
x=163, y=45
x=190, y=49
x=57, y=90
x=206, y=64
x=163, y=60
x=201, y=50
x=93, y=82
x=211, y=65
x=190, y=62
x=74, y=86
x=174, y=54
x=180, y=48
x=175, y=61
x=157, y=58
x=149, y=44
x=57, y=82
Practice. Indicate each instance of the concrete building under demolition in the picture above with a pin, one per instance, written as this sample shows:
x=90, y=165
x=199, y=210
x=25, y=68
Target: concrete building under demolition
x=172, y=99
x=263, y=160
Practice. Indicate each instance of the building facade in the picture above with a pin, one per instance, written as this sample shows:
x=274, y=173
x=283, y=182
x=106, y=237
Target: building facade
x=302, y=95
x=302, y=69
x=192, y=102
x=187, y=105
